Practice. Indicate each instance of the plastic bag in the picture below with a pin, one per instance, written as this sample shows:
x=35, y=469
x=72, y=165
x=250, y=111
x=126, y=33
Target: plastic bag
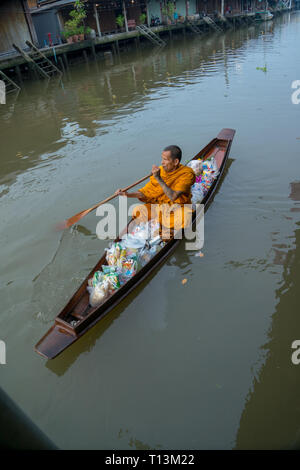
x=98, y=293
x=129, y=268
x=155, y=241
x=146, y=230
x=114, y=253
x=98, y=277
x=113, y=281
x=146, y=254
x=198, y=193
x=154, y=226
x=109, y=269
x=196, y=165
x=133, y=242
x=210, y=165
x=141, y=231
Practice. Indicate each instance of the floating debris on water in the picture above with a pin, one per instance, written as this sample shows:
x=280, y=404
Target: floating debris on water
x=263, y=69
x=184, y=281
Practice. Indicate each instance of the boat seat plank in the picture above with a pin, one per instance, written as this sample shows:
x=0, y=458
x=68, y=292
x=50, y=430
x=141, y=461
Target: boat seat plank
x=81, y=311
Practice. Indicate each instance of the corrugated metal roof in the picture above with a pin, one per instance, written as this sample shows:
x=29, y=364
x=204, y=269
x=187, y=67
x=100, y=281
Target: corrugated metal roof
x=50, y=6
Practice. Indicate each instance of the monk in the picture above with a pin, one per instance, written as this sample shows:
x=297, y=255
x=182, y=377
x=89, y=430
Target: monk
x=167, y=196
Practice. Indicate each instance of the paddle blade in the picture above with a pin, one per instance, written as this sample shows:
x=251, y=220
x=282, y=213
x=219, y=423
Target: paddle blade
x=67, y=223
x=61, y=226
x=72, y=220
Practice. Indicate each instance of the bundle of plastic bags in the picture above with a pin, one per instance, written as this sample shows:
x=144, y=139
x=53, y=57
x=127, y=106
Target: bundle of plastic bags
x=206, y=171
x=124, y=258
x=196, y=166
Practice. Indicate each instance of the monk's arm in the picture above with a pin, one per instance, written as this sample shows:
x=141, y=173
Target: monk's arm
x=173, y=195
x=137, y=194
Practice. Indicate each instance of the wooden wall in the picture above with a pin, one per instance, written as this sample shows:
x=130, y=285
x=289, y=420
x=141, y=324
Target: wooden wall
x=134, y=13
x=107, y=21
x=208, y=6
x=13, y=25
x=32, y=3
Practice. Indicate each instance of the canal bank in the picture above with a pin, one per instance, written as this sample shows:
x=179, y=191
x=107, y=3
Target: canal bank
x=18, y=64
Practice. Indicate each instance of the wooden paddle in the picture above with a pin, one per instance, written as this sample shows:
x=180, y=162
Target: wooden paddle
x=72, y=220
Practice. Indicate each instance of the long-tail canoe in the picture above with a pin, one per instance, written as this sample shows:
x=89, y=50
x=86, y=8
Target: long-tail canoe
x=77, y=317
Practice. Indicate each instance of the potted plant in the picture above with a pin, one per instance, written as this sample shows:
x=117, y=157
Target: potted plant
x=68, y=35
x=71, y=29
x=168, y=12
x=81, y=31
x=76, y=22
x=89, y=32
x=120, y=21
x=142, y=18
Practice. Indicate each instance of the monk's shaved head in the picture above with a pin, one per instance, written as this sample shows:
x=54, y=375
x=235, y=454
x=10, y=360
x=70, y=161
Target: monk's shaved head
x=175, y=152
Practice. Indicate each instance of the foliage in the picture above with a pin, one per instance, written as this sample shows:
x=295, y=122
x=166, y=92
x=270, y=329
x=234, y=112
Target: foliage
x=67, y=33
x=75, y=25
x=142, y=18
x=81, y=29
x=168, y=10
x=120, y=20
x=263, y=69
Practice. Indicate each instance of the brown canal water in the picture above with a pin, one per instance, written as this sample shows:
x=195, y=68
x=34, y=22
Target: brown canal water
x=202, y=365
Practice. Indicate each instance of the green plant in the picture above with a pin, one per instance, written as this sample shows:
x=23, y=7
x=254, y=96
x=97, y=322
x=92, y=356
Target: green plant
x=120, y=21
x=75, y=25
x=263, y=69
x=142, y=18
x=168, y=10
x=67, y=33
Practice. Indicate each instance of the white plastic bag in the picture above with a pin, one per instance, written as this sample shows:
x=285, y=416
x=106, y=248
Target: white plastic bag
x=98, y=293
x=133, y=241
x=210, y=165
x=196, y=166
x=197, y=193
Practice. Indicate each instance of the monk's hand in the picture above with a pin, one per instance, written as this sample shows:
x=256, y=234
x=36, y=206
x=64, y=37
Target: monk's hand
x=156, y=171
x=120, y=192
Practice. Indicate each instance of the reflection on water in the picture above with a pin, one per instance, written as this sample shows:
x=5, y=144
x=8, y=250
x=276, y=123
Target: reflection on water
x=49, y=115
x=270, y=419
x=134, y=443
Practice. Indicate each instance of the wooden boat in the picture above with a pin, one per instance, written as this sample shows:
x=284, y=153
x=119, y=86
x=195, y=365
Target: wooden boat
x=77, y=317
x=265, y=15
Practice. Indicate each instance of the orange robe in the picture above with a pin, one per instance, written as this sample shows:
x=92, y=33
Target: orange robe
x=171, y=215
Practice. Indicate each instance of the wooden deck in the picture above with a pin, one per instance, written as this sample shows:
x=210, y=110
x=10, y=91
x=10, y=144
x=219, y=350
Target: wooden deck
x=13, y=59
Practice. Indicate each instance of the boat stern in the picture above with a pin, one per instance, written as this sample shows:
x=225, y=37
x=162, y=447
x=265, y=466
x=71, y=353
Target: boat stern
x=54, y=342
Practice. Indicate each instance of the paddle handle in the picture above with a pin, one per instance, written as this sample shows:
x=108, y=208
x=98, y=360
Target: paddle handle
x=137, y=182
x=115, y=195
x=73, y=220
